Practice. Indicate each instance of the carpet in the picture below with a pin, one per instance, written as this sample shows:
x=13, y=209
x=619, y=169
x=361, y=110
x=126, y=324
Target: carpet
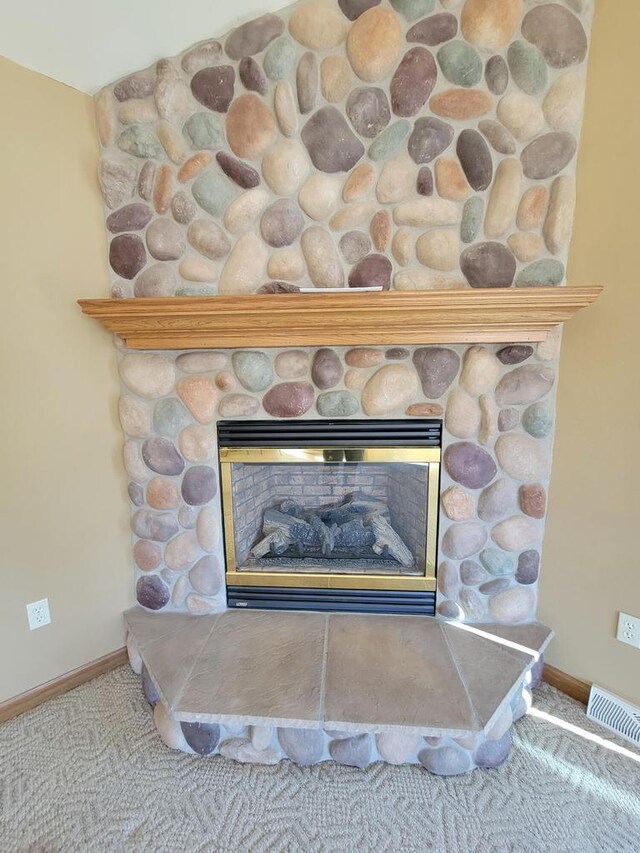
x=87, y=772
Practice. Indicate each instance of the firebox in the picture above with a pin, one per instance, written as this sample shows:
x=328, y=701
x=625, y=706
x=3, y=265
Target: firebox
x=331, y=515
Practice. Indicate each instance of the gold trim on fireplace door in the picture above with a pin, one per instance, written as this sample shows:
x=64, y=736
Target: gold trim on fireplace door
x=257, y=455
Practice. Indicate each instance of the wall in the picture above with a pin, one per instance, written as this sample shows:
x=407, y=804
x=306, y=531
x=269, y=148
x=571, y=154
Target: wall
x=62, y=504
x=591, y=566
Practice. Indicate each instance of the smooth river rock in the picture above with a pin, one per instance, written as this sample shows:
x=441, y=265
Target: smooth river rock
x=374, y=43
x=280, y=58
x=436, y=367
x=390, y=389
x=199, y=485
x=559, y=219
x=152, y=592
x=528, y=67
x=307, y=80
x=252, y=37
x=512, y=606
x=462, y=416
x=490, y=24
x=285, y=167
x=326, y=368
x=498, y=500
x=497, y=136
x=460, y=63
x=548, y=154
x=537, y=420
x=563, y=103
x=208, y=239
x=240, y=173
x=368, y=110
x=303, y=746
x=281, y=223
x=335, y=78
x=533, y=500
x=289, y=399
x=253, y=369
x=463, y=540
x=320, y=253
x=429, y=138
x=475, y=159
x=557, y=33
x=337, y=404
x=330, y=143
x=371, y=271
x=524, y=385
x=147, y=374
x=243, y=271
x=503, y=198
x=515, y=534
x=127, y=255
x=458, y=504
x=213, y=192
x=413, y=81
x=213, y=87
x=496, y=74
x=251, y=126
x=438, y=249
x=252, y=75
x=318, y=24
x=161, y=456
x=522, y=457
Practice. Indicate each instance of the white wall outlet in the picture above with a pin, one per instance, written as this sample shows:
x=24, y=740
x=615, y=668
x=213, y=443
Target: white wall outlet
x=38, y=614
x=628, y=629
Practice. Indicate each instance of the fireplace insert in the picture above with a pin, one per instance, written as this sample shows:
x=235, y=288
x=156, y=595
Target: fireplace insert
x=331, y=515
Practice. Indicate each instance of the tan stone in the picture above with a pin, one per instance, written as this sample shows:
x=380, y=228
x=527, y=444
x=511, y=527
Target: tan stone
x=135, y=416
x=532, y=208
x=320, y=253
x=559, y=220
x=284, y=103
x=106, y=117
x=251, y=127
x=421, y=279
x=450, y=180
x=521, y=115
x=389, y=390
x=381, y=227
x=194, y=166
x=225, y=380
x=137, y=111
x=318, y=24
x=438, y=249
x=461, y=103
x=522, y=457
x=374, y=43
x=244, y=210
x=352, y=216
x=207, y=529
x=490, y=24
x=147, y=374
x=480, y=371
x=285, y=167
x=364, y=357
x=526, y=246
x=424, y=410
x=397, y=180
x=503, y=198
x=202, y=362
x=199, y=395
x=238, y=406
x=163, y=188
x=292, y=364
x=563, y=103
x=402, y=246
x=462, y=415
x=287, y=265
x=355, y=380
x=515, y=534
x=245, y=267
x=162, y=493
x=335, y=78
x=197, y=443
x=319, y=196
x=427, y=212
x=197, y=269
x=199, y=605
x=457, y=503
x=359, y=182
x=172, y=142
x=488, y=420
x=133, y=461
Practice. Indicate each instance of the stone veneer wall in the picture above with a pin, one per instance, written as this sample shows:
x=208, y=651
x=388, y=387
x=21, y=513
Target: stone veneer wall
x=497, y=407
x=406, y=144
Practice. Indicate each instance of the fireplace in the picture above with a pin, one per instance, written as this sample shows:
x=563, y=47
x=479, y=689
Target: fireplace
x=331, y=515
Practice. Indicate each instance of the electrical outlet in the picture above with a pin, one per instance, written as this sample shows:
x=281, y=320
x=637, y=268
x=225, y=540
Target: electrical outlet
x=38, y=614
x=628, y=629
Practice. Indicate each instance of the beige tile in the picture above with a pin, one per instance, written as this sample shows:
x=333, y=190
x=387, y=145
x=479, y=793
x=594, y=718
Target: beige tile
x=534, y=636
x=171, y=658
x=393, y=671
x=488, y=669
x=259, y=664
x=147, y=627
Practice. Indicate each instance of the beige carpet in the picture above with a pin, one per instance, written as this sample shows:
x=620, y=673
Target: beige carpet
x=87, y=772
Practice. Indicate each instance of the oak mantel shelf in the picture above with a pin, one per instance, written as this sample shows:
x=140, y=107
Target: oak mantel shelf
x=492, y=315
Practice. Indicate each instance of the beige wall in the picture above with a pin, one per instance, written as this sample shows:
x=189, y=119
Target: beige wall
x=592, y=556
x=63, y=510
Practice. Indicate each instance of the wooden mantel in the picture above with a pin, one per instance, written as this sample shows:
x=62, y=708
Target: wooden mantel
x=492, y=315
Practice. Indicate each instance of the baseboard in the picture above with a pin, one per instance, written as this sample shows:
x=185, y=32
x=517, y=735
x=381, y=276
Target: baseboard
x=32, y=698
x=574, y=687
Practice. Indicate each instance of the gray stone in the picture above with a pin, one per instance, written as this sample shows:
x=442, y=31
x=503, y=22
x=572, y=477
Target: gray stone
x=353, y=751
x=488, y=264
x=159, y=527
x=546, y=271
x=183, y=208
x=212, y=192
x=469, y=465
x=354, y=8
x=524, y=385
x=136, y=86
x=413, y=9
x=326, y=368
x=497, y=585
x=537, y=420
x=460, y=63
x=132, y=217
x=289, y=399
x=471, y=573
x=203, y=738
x=497, y=136
x=253, y=369
x=475, y=159
x=279, y=59
x=496, y=562
x=445, y=760
x=354, y=245
x=165, y=240
x=528, y=67
x=472, y=216
x=146, y=180
x=424, y=181
x=199, y=485
x=508, y=419
x=372, y=271
x=307, y=81
x=522, y=457
x=413, y=81
x=141, y=141
x=513, y=606
x=448, y=579
x=213, y=87
x=515, y=353
x=434, y=30
x=204, y=131
x=278, y=287
x=397, y=353
x=203, y=54
x=127, y=255
x=152, y=592
x=337, y=404
x=450, y=610
x=149, y=688
x=437, y=367
x=240, y=173
x=252, y=76
x=281, y=223
x=368, y=110
x=463, y=539
x=528, y=567
x=161, y=456
x=496, y=75
x=206, y=576
x=172, y=96
x=492, y=753
x=429, y=138
x=548, y=154
x=557, y=33
x=169, y=417
x=252, y=37
x=498, y=500
x=117, y=181
x=389, y=141
x=330, y=143
x=238, y=406
x=303, y=746
x=208, y=238
x=136, y=494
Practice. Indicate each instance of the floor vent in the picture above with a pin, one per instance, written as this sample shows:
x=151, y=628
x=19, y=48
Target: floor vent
x=614, y=714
